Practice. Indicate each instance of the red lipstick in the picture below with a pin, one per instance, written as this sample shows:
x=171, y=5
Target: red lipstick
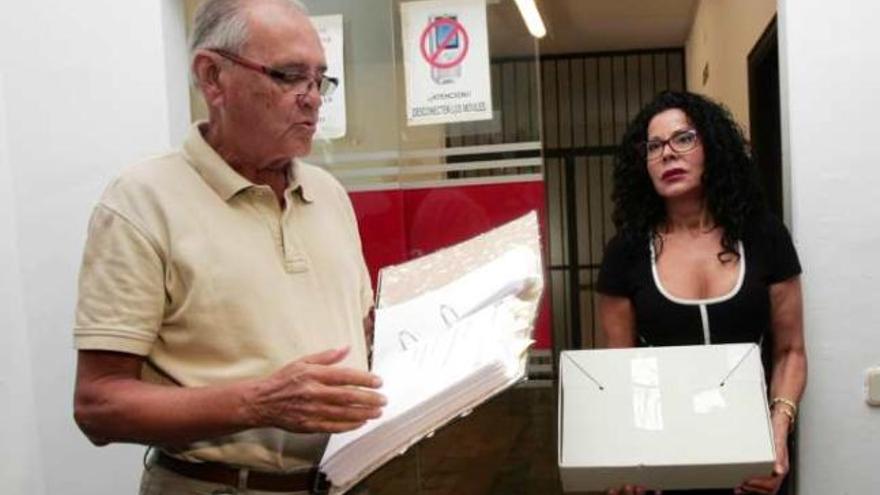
x=673, y=174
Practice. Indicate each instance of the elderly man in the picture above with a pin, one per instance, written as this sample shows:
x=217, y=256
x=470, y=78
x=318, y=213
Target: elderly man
x=223, y=292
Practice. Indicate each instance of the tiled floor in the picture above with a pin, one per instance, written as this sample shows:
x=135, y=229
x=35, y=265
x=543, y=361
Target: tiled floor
x=505, y=447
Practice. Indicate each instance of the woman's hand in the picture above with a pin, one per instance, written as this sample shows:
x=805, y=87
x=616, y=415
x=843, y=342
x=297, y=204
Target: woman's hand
x=770, y=484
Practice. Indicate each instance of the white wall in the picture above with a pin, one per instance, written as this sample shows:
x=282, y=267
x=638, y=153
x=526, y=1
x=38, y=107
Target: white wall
x=829, y=53
x=20, y=466
x=86, y=90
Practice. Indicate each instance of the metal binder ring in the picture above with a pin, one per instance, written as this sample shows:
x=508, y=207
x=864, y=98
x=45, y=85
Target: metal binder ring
x=449, y=316
x=405, y=335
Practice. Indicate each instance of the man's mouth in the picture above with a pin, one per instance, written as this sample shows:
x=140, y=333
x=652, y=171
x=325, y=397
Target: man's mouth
x=307, y=124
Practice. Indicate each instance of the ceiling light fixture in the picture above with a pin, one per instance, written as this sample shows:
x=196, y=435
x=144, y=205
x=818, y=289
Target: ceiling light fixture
x=530, y=14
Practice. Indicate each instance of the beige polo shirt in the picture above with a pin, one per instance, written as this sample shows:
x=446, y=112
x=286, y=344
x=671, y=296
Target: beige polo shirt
x=194, y=267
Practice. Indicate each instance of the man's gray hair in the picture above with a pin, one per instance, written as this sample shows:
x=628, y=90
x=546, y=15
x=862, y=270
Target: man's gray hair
x=222, y=24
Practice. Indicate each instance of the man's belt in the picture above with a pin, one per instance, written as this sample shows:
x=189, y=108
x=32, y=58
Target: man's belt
x=215, y=472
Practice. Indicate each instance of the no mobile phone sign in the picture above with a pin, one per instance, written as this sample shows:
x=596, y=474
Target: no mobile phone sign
x=446, y=61
x=453, y=29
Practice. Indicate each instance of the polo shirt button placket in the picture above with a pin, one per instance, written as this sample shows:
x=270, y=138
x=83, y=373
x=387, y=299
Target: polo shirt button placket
x=295, y=264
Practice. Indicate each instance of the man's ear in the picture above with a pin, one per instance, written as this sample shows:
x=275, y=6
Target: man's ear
x=207, y=72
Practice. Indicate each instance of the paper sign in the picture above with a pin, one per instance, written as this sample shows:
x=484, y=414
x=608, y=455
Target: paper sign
x=446, y=56
x=331, y=121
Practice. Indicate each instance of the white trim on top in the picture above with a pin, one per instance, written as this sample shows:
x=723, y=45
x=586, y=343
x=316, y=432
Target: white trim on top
x=707, y=332
x=694, y=302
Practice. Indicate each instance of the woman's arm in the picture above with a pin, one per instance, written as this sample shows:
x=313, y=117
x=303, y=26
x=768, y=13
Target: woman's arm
x=789, y=374
x=789, y=356
x=618, y=321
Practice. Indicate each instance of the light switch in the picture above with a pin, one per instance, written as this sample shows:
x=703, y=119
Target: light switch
x=872, y=387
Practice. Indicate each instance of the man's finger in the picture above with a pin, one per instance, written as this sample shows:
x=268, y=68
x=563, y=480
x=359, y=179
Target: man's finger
x=331, y=426
x=331, y=413
x=328, y=357
x=341, y=376
x=344, y=397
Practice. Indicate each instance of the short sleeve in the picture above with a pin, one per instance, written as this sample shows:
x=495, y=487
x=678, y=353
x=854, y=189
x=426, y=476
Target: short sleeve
x=614, y=273
x=121, y=287
x=366, y=287
x=782, y=258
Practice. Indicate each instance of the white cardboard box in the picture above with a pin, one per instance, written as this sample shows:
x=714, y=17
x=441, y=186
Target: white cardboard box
x=660, y=417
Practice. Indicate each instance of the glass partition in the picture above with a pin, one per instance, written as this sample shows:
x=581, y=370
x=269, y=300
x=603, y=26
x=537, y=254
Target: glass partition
x=419, y=188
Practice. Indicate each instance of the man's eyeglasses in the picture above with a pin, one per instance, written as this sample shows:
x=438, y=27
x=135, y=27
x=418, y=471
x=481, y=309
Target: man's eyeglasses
x=680, y=142
x=300, y=83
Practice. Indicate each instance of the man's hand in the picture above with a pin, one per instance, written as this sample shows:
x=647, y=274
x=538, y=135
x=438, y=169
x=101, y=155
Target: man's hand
x=311, y=395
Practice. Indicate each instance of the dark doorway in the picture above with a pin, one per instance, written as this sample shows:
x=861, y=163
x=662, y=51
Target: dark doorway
x=766, y=140
x=764, y=115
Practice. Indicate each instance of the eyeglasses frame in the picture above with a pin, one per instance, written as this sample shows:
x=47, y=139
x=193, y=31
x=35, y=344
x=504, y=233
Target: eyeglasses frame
x=643, y=146
x=279, y=76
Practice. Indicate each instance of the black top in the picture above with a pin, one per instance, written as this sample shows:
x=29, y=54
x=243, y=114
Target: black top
x=743, y=315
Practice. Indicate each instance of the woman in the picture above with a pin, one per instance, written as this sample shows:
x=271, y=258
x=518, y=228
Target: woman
x=697, y=259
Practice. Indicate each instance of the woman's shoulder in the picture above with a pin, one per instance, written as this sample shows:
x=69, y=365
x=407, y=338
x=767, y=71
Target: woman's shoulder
x=626, y=245
x=623, y=263
x=770, y=241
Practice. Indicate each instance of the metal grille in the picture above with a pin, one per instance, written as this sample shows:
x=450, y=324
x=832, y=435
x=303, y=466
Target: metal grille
x=588, y=100
x=515, y=122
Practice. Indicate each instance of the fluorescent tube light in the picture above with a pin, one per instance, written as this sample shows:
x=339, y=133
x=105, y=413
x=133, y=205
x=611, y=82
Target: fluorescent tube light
x=530, y=14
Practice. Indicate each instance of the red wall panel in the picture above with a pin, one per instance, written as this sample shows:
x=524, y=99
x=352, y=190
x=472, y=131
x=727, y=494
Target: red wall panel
x=401, y=224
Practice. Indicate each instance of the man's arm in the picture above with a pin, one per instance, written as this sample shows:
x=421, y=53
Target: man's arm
x=112, y=403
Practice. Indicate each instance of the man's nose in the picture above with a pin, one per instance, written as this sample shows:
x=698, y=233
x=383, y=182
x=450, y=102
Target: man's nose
x=312, y=97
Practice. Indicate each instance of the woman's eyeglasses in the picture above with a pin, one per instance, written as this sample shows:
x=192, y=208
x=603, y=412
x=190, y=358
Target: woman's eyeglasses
x=680, y=142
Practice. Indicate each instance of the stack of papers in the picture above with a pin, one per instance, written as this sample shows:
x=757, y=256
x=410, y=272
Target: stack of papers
x=442, y=353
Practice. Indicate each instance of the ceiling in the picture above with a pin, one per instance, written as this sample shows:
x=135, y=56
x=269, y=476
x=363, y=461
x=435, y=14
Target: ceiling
x=575, y=26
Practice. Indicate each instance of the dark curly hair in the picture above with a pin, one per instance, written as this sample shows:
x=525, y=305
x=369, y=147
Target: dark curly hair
x=733, y=193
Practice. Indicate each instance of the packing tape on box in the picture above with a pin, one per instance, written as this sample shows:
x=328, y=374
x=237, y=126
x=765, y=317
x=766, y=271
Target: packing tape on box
x=711, y=399
x=647, y=401
x=708, y=401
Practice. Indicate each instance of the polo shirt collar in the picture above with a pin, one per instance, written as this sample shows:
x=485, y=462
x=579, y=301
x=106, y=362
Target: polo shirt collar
x=298, y=181
x=222, y=177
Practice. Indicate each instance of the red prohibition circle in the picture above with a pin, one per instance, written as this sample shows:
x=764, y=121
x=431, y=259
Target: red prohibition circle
x=431, y=58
